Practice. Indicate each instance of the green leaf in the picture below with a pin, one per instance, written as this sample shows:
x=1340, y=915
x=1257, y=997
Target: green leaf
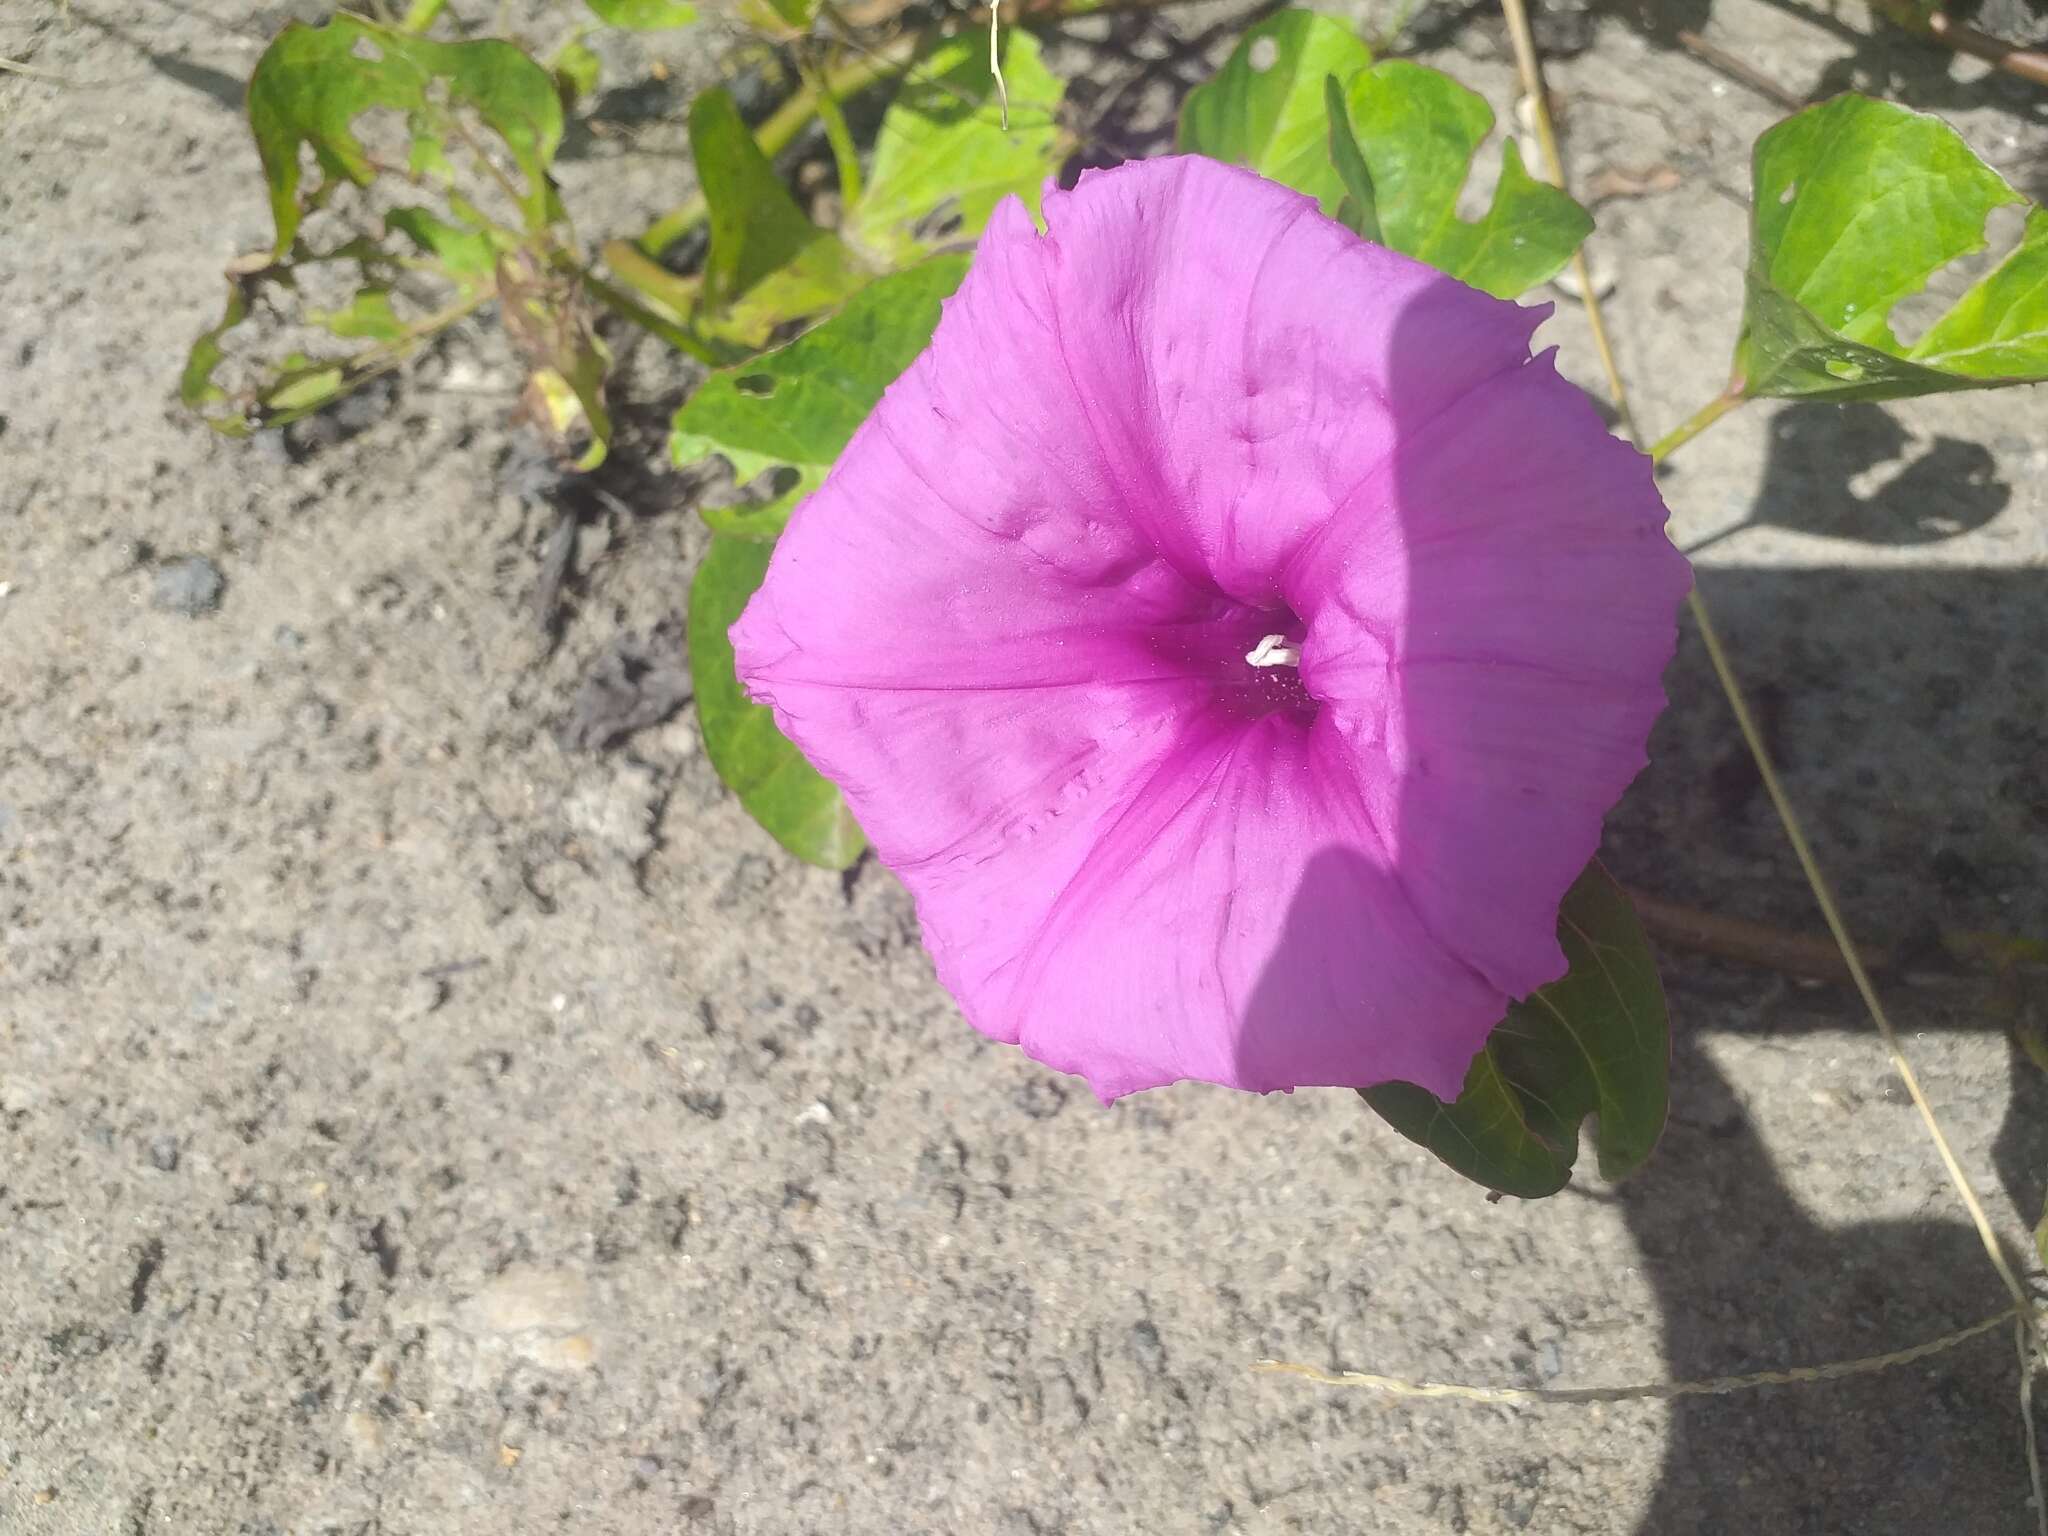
x=779, y=18
x=1418, y=130
x=942, y=148
x=1857, y=205
x=312, y=83
x=470, y=256
x=800, y=809
x=799, y=406
x=368, y=316
x=1265, y=107
x=577, y=69
x=1594, y=1042
x=1404, y=142
x=766, y=263
x=644, y=15
x=1359, y=211
x=306, y=388
x=197, y=388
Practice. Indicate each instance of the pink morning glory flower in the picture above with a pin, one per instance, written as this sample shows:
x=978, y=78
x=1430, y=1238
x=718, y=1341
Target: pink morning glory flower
x=1231, y=636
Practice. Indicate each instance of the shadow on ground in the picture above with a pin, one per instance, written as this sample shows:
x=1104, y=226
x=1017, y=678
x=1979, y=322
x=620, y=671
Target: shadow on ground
x=1908, y=742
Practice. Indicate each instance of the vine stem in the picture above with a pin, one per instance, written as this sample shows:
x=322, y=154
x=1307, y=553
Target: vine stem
x=1696, y=423
x=1648, y=1392
x=787, y=121
x=16, y=67
x=1546, y=135
x=837, y=135
x=1823, y=893
x=421, y=15
x=869, y=69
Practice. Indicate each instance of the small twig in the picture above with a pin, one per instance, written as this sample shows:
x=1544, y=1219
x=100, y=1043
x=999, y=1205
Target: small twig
x=1546, y=135
x=2025, y=63
x=16, y=67
x=1650, y=1392
x=1739, y=70
x=1735, y=938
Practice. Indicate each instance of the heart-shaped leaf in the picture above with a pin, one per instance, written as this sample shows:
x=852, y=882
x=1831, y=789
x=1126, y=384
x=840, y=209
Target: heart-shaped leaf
x=1403, y=140
x=1594, y=1042
x=767, y=263
x=1858, y=204
x=1265, y=107
x=312, y=83
x=799, y=406
x=784, y=793
x=943, y=158
x=1418, y=130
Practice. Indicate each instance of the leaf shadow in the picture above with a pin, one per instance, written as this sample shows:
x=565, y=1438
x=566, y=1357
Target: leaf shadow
x=1948, y=488
x=1878, y=59
x=223, y=89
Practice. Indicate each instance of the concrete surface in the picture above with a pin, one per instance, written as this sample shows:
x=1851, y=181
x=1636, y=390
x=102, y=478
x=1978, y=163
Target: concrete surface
x=411, y=1126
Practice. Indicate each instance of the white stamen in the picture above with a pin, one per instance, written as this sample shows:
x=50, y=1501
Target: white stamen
x=1274, y=651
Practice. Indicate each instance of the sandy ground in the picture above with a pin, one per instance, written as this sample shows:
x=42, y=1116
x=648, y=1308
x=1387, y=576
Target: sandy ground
x=411, y=1126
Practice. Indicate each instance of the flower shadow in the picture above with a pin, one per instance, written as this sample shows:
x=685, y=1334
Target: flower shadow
x=1747, y=1279
x=1278, y=1028
x=1885, y=673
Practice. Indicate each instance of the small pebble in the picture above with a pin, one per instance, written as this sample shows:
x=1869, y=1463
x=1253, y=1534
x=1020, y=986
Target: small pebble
x=188, y=584
x=163, y=1153
x=1148, y=1348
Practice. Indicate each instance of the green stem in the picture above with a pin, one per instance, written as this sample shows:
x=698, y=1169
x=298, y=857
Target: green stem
x=626, y=307
x=422, y=15
x=785, y=123
x=1696, y=423
x=839, y=136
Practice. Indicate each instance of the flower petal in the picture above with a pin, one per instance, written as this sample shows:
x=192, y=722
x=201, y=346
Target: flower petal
x=1013, y=624
x=1236, y=355
x=1525, y=643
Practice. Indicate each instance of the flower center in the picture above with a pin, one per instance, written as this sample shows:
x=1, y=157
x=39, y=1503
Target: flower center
x=1268, y=680
x=1274, y=651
